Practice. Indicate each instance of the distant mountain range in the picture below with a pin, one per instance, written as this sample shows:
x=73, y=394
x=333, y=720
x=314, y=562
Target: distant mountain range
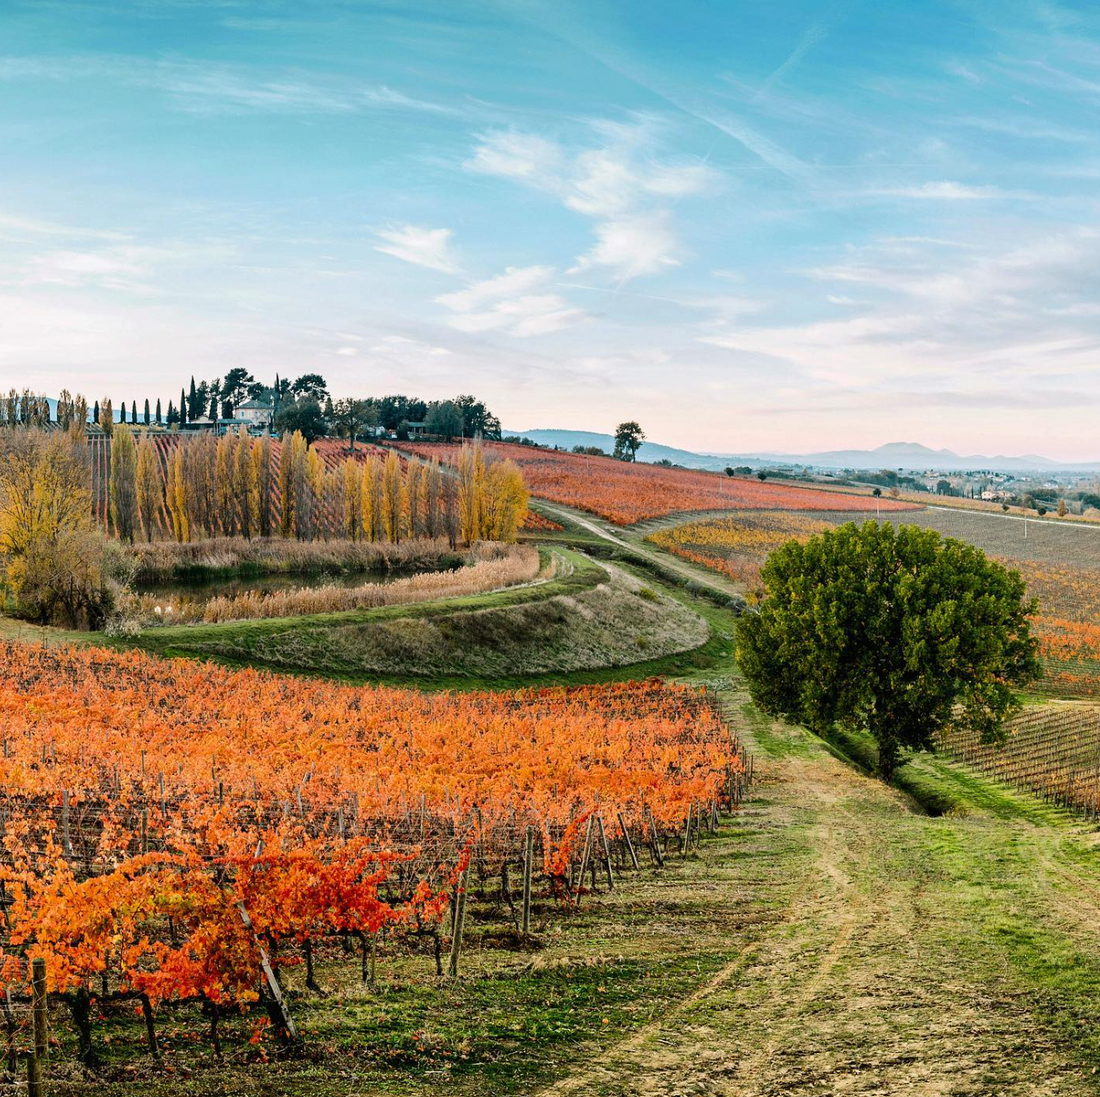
x=910, y=456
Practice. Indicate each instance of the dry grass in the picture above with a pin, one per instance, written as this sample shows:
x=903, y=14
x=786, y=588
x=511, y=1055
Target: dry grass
x=162, y=561
x=488, y=567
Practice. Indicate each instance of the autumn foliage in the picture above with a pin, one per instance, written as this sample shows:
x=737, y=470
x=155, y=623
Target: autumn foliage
x=626, y=492
x=147, y=803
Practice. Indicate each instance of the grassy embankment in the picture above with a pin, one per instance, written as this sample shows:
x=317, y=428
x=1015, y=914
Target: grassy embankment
x=589, y=624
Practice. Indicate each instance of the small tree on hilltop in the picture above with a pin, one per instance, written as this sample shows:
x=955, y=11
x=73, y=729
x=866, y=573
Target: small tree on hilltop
x=629, y=437
x=897, y=632
x=350, y=417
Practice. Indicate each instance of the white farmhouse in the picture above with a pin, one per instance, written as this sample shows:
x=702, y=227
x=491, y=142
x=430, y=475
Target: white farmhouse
x=257, y=414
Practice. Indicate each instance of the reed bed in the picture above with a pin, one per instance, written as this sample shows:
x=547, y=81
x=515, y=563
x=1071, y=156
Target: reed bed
x=488, y=567
x=162, y=561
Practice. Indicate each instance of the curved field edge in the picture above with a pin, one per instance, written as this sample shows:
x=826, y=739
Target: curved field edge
x=524, y=610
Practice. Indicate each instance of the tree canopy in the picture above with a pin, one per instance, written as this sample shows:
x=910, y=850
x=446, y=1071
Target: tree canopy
x=304, y=416
x=351, y=417
x=310, y=386
x=445, y=420
x=629, y=437
x=897, y=632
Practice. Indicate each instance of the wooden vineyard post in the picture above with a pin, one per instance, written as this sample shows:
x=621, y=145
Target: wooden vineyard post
x=629, y=843
x=528, y=870
x=584, y=859
x=606, y=853
x=656, y=841
x=459, y=923
x=34, y=1076
x=38, y=998
x=36, y=1059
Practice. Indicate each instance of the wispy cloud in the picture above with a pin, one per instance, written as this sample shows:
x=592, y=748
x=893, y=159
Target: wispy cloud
x=431, y=248
x=947, y=191
x=622, y=185
x=811, y=37
x=206, y=87
x=512, y=302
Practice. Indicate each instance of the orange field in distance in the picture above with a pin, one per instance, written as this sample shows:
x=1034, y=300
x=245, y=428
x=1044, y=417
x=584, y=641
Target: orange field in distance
x=624, y=492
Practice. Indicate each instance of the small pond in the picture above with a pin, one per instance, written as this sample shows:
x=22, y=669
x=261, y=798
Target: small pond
x=201, y=589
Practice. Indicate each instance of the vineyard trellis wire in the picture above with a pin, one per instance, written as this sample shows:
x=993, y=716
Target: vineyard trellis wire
x=1052, y=750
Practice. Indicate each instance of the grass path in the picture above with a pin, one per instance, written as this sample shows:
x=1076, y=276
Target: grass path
x=912, y=955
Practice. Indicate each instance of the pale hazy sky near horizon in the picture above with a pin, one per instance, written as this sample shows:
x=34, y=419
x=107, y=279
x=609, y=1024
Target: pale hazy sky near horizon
x=808, y=224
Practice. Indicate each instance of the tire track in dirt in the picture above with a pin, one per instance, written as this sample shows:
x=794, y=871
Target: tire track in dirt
x=631, y=1056
x=855, y=989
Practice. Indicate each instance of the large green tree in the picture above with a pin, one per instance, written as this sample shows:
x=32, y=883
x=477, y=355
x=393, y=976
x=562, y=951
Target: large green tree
x=310, y=386
x=894, y=631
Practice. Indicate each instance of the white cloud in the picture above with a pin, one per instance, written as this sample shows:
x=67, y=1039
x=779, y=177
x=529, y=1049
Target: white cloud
x=522, y=156
x=425, y=247
x=508, y=303
x=941, y=318
x=621, y=185
x=347, y=352
x=515, y=281
x=110, y=266
x=208, y=87
x=406, y=349
x=632, y=246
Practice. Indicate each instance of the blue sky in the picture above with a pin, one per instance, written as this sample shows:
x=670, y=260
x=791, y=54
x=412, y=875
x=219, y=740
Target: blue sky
x=751, y=226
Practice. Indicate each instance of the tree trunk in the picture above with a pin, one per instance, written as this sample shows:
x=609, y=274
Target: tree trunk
x=80, y=1005
x=887, y=756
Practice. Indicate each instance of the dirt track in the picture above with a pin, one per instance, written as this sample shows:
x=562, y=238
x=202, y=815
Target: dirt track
x=880, y=975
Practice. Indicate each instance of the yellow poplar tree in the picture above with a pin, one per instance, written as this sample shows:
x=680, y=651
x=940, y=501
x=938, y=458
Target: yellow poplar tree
x=260, y=485
x=123, y=489
x=224, y=464
x=413, y=474
x=430, y=498
x=353, y=499
x=372, y=499
x=176, y=494
x=505, y=501
x=291, y=454
x=150, y=486
x=313, y=514
x=471, y=492
x=242, y=484
x=393, y=498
